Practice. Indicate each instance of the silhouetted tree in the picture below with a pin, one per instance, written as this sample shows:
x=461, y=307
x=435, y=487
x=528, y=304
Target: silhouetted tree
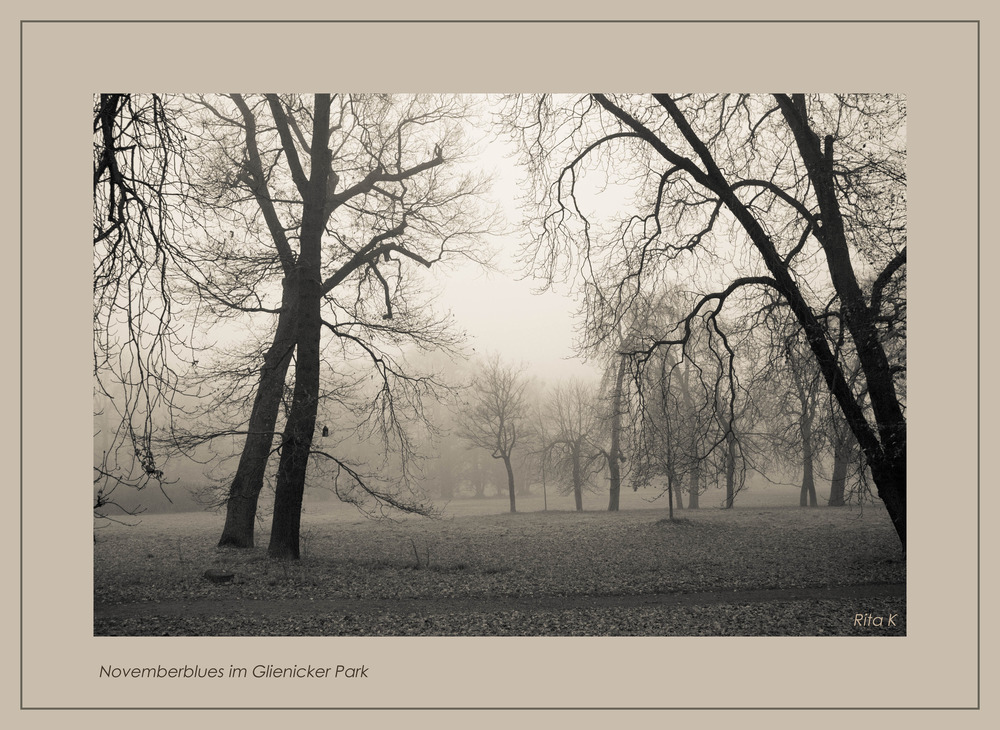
x=332, y=199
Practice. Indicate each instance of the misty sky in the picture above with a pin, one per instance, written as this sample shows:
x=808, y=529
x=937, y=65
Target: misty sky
x=502, y=310
x=502, y=314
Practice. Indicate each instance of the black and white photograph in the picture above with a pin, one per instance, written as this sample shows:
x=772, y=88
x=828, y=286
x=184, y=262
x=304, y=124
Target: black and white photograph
x=500, y=365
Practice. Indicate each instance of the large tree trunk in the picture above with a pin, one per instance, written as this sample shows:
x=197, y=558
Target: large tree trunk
x=510, y=482
x=886, y=451
x=241, y=505
x=299, y=430
x=890, y=481
x=301, y=425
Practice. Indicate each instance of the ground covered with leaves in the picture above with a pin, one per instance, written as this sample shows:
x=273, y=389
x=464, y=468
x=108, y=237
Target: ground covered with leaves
x=768, y=571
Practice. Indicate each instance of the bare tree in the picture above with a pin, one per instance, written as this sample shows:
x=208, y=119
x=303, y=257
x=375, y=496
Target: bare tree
x=495, y=416
x=800, y=196
x=318, y=208
x=570, y=447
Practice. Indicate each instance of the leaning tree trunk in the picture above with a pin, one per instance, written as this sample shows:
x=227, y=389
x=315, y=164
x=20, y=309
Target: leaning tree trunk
x=299, y=430
x=244, y=492
x=890, y=481
x=885, y=451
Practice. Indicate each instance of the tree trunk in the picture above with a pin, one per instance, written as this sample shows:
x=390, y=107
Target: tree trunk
x=510, y=482
x=241, y=506
x=615, y=491
x=545, y=493
x=890, y=481
x=615, y=454
x=695, y=488
x=730, y=469
x=577, y=479
x=807, y=495
x=886, y=451
x=838, y=482
x=299, y=430
x=301, y=425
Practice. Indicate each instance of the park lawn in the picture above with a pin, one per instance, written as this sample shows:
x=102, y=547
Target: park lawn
x=451, y=570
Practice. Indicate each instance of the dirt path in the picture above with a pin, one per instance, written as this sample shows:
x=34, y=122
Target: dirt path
x=432, y=606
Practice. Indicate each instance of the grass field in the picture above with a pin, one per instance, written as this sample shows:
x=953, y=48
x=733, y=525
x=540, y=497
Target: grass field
x=766, y=567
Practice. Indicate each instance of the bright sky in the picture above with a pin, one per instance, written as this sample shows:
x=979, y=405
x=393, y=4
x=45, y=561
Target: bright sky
x=501, y=314
x=500, y=310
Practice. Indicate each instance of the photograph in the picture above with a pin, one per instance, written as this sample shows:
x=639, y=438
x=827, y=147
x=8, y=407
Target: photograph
x=507, y=364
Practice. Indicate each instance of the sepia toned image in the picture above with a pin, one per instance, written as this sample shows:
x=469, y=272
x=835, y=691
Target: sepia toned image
x=484, y=365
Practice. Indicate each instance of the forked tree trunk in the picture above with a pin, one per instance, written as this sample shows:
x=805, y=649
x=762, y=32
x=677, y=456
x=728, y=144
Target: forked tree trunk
x=244, y=492
x=301, y=425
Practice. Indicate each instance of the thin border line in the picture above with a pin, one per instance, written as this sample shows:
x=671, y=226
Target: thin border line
x=514, y=709
x=979, y=365
x=547, y=21
x=20, y=340
x=978, y=24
